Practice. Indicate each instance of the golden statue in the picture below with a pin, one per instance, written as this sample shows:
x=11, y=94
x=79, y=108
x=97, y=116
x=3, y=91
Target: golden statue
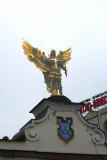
x=50, y=66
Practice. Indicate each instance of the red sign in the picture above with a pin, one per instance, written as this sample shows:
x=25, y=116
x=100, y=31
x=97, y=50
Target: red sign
x=96, y=103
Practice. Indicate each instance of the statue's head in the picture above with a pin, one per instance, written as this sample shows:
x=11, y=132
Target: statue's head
x=53, y=54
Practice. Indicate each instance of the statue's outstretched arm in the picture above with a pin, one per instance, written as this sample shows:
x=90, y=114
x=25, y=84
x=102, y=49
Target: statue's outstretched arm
x=63, y=58
x=64, y=68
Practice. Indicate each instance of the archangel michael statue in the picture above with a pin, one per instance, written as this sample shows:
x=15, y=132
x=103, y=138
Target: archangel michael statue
x=50, y=66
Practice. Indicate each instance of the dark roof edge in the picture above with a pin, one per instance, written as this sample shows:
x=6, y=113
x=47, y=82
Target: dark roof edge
x=38, y=104
x=50, y=155
x=56, y=99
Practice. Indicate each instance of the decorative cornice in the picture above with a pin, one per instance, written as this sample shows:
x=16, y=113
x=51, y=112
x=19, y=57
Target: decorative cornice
x=56, y=106
x=98, y=136
x=32, y=134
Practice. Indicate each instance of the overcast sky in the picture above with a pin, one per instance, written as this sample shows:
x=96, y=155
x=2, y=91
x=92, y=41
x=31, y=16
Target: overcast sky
x=81, y=24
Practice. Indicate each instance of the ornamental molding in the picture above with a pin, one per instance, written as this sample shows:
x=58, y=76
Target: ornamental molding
x=32, y=134
x=98, y=135
x=56, y=106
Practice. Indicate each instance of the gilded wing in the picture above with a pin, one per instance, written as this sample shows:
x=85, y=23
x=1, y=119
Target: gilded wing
x=64, y=56
x=34, y=55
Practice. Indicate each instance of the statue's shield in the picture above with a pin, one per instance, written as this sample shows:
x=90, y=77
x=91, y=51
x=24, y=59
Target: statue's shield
x=64, y=131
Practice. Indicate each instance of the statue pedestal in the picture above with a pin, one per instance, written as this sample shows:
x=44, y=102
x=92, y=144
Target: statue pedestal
x=58, y=127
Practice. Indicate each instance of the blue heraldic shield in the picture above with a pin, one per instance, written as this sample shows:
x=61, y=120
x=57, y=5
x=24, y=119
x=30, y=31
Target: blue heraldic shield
x=65, y=131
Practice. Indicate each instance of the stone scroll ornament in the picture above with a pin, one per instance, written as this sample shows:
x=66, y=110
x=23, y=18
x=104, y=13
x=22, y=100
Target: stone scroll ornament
x=50, y=66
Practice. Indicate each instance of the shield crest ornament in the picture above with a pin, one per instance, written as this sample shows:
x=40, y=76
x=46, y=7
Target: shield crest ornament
x=65, y=131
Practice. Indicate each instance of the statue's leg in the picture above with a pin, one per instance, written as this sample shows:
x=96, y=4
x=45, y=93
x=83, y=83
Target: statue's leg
x=60, y=87
x=52, y=86
x=56, y=86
